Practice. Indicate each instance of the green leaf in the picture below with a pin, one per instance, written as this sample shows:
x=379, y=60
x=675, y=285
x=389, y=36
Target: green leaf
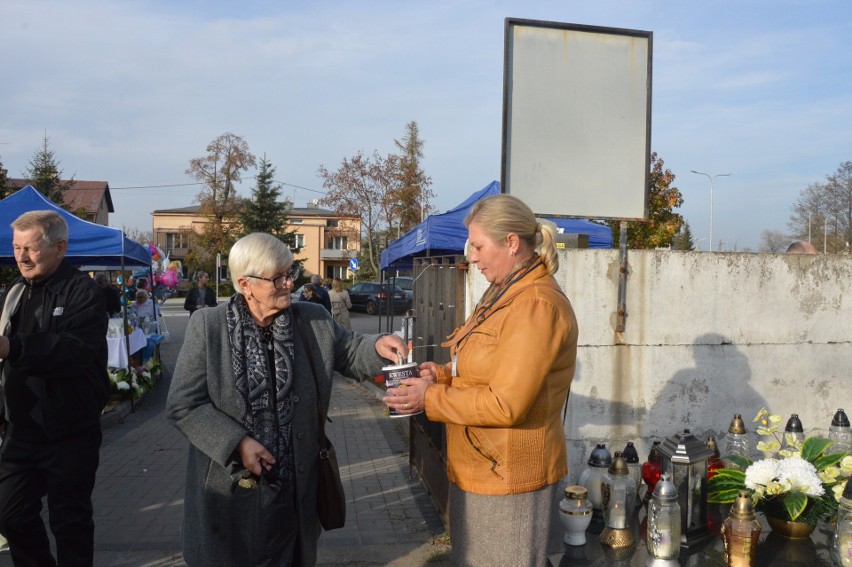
x=725, y=485
x=723, y=496
x=723, y=474
x=825, y=461
x=740, y=461
x=795, y=503
x=813, y=447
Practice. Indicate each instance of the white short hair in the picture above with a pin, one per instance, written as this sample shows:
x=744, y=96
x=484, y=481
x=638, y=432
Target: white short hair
x=258, y=254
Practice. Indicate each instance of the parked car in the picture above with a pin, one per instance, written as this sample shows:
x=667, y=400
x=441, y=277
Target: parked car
x=407, y=285
x=370, y=297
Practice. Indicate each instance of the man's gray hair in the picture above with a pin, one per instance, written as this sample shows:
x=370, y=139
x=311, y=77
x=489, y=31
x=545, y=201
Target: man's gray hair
x=316, y=279
x=53, y=227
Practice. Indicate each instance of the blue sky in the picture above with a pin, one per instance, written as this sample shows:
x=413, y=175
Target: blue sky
x=129, y=91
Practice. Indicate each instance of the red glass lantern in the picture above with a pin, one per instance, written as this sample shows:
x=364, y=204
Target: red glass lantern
x=651, y=470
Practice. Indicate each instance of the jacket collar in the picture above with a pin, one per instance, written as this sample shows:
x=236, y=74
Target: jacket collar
x=537, y=276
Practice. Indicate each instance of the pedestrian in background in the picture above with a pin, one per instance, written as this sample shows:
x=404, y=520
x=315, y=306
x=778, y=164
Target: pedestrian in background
x=321, y=292
x=340, y=303
x=54, y=368
x=309, y=294
x=112, y=297
x=502, y=395
x=252, y=380
x=200, y=296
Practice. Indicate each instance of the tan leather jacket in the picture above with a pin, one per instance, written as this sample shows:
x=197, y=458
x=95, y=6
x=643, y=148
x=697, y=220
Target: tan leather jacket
x=503, y=408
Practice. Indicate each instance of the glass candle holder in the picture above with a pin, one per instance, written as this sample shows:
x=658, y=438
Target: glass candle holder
x=840, y=433
x=842, y=548
x=736, y=442
x=663, y=532
x=741, y=532
x=651, y=470
x=599, y=461
x=575, y=511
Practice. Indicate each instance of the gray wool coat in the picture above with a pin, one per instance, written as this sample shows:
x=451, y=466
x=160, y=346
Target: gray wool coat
x=204, y=405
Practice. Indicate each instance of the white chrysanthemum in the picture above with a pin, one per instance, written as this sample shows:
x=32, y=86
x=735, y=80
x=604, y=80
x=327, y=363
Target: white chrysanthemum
x=802, y=475
x=761, y=473
x=122, y=385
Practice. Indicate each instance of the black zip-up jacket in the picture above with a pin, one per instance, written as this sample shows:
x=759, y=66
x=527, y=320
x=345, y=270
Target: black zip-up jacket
x=55, y=377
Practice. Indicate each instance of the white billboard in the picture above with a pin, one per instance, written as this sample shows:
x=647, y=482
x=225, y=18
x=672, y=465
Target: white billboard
x=577, y=119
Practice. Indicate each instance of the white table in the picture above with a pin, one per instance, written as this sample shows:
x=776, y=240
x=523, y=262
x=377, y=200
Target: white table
x=118, y=348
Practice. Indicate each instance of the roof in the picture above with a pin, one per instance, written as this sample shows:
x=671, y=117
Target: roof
x=85, y=195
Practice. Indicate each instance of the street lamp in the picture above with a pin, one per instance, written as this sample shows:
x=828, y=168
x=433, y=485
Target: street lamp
x=711, y=178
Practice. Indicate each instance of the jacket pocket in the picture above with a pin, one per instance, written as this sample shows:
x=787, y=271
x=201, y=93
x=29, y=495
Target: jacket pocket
x=480, y=443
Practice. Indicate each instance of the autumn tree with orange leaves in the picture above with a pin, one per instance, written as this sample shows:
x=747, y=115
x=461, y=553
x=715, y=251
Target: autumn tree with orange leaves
x=663, y=224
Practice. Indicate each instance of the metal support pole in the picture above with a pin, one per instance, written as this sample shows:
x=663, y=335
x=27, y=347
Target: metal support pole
x=621, y=319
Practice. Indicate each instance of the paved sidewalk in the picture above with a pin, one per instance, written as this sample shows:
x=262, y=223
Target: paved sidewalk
x=138, y=497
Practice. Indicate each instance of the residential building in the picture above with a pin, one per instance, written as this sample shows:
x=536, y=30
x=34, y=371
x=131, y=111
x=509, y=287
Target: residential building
x=327, y=240
x=89, y=200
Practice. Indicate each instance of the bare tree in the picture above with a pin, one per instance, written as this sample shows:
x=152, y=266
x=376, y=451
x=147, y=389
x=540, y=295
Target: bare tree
x=361, y=187
x=823, y=211
x=143, y=237
x=228, y=157
x=773, y=241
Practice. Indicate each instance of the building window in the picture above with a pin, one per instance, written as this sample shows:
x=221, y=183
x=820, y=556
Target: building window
x=332, y=223
x=338, y=243
x=299, y=240
x=175, y=240
x=335, y=271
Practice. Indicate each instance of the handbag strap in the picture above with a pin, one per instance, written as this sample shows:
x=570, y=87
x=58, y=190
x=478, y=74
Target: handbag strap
x=323, y=440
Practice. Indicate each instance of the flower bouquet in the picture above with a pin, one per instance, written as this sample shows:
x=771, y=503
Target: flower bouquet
x=800, y=483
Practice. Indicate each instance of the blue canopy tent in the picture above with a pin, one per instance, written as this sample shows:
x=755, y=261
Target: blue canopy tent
x=445, y=234
x=89, y=244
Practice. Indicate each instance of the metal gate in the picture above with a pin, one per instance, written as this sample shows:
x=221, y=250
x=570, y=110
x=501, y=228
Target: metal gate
x=438, y=309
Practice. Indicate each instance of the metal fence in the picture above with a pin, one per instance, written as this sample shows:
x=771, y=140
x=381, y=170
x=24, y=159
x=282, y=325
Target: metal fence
x=438, y=309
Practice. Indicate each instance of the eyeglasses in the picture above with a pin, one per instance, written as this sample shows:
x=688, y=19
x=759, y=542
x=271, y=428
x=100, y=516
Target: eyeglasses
x=278, y=282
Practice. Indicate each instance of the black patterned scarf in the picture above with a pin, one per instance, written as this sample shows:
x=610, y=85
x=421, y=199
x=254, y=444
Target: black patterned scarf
x=268, y=393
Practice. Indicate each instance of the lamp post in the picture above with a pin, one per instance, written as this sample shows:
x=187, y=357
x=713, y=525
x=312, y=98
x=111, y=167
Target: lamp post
x=711, y=178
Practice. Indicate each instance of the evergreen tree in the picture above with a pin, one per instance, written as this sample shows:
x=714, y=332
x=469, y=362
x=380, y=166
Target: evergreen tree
x=44, y=174
x=264, y=211
x=412, y=197
x=683, y=240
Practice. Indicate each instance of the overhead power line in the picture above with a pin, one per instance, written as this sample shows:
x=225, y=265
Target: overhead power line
x=155, y=186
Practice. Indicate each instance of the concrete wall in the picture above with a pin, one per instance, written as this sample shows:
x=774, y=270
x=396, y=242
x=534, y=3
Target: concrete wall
x=707, y=335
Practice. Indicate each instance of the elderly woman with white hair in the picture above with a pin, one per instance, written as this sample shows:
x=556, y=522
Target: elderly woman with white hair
x=245, y=395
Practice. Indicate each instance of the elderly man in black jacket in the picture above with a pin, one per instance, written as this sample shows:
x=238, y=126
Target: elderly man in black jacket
x=54, y=356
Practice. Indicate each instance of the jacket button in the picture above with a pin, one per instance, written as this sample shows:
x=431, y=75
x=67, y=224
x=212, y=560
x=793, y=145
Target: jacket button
x=295, y=399
x=300, y=435
x=301, y=468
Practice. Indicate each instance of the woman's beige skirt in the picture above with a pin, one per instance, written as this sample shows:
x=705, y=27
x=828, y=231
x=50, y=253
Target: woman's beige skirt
x=513, y=530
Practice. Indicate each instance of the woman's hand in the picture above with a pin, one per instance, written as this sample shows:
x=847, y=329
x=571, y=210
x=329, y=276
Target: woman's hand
x=255, y=457
x=391, y=347
x=428, y=371
x=410, y=396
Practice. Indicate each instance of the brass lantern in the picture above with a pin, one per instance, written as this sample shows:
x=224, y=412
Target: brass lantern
x=684, y=458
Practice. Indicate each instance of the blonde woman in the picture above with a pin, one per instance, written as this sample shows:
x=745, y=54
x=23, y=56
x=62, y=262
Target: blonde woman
x=340, y=303
x=503, y=393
